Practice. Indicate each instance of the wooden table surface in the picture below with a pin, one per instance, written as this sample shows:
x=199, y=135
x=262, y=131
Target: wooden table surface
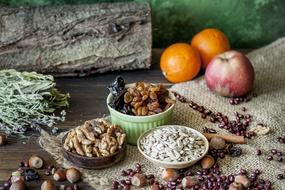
x=88, y=100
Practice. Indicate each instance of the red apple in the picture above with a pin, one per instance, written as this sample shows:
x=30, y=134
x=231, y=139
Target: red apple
x=230, y=74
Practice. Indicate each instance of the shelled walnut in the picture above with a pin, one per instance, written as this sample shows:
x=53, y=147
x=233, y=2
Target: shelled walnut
x=147, y=99
x=95, y=138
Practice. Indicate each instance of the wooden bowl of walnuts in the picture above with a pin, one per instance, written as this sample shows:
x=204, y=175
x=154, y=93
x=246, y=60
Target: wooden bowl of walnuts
x=139, y=107
x=94, y=145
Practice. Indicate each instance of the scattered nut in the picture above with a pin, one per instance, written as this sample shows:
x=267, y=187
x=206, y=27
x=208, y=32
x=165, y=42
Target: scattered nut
x=36, y=162
x=73, y=175
x=48, y=185
x=3, y=139
x=217, y=143
x=189, y=181
x=260, y=129
x=242, y=179
x=236, y=186
x=139, y=180
x=18, y=185
x=169, y=174
x=59, y=175
x=207, y=162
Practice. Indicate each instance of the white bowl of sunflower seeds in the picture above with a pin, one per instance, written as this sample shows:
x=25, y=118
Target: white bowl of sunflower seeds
x=173, y=146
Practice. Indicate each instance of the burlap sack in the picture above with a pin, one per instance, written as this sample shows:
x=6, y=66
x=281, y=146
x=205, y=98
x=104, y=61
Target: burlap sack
x=268, y=108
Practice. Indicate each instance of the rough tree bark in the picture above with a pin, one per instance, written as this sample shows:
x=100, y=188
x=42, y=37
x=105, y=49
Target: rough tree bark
x=76, y=40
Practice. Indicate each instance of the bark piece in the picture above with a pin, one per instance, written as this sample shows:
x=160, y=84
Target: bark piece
x=76, y=40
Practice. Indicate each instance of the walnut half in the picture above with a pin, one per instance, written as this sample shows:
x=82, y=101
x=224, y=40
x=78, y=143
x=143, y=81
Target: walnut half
x=96, y=138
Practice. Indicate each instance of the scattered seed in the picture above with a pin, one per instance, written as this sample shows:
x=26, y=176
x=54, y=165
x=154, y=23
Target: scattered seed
x=280, y=176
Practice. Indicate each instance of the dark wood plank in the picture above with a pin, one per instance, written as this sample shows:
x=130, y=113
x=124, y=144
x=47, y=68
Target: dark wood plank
x=88, y=100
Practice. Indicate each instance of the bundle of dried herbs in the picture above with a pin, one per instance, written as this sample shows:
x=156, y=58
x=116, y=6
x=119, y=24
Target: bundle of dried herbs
x=28, y=100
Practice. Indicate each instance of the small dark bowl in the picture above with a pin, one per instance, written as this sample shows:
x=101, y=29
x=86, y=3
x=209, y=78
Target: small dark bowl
x=94, y=162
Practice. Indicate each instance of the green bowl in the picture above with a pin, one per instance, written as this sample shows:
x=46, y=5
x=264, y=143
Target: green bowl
x=134, y=126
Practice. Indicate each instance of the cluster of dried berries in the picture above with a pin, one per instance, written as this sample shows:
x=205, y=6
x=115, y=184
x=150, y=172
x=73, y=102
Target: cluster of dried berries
x=236, y=101
x=275, y=154
x=233, y=151
x=271, y=155
x=238, y=126
x=147, y=99
x=133, y=177
x=141, y=100
x=213, y=179
x=239, y=100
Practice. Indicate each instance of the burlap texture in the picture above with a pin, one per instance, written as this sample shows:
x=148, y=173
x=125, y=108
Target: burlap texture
x=268, y=108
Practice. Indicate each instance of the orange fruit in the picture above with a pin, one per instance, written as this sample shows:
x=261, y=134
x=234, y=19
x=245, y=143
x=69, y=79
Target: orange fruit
x=180, y=62
x=210, y=42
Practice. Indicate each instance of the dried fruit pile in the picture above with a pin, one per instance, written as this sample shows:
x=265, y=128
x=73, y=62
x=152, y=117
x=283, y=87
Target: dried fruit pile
x=141, y=100
x=96, y=138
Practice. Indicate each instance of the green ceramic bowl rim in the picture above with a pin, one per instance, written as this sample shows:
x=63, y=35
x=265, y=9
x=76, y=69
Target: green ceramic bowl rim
x=172, y=163
x=110, y=96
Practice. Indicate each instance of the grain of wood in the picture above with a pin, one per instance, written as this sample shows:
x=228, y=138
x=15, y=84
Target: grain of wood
x=76, y=40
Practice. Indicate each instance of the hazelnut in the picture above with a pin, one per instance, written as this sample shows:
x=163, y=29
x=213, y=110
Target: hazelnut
x=139, y=180
x=73, y=175
x=59, y=175
x=169, y=174
x=189, y=181
x=242, y=179
x=207, y=162
x=217, y=143
x=236, y=186
x=48, y=185
x=36, y=162
x=18, y=185
x=3, y=139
